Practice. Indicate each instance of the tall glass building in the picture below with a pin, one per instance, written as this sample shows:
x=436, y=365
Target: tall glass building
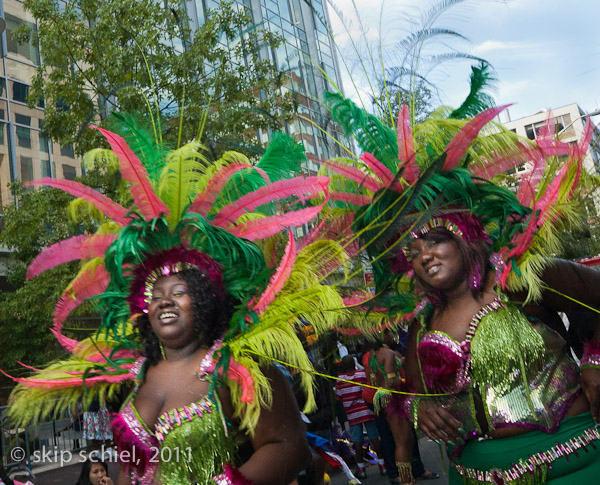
x=307, y=55
x=25, y=153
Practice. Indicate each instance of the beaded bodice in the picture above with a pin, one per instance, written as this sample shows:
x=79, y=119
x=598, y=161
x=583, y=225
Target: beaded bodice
x=188, y=445
x=518, y=386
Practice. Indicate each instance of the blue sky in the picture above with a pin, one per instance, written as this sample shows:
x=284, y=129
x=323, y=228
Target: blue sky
x=546, y=53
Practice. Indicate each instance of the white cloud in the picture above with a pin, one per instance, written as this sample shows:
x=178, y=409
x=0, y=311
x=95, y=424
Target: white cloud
x=493, y=46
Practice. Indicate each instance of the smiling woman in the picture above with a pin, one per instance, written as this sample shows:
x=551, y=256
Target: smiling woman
x=193, y=316
x=184, y=316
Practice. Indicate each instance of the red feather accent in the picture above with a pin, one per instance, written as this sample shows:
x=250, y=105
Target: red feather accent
x=503, y=162
x=270, y=225
x=133, y=171
x=66, y=383
x=551, y=193
x=304, y=188
x=355, y=199
x=379, y=169
x=280, y=277
x=547, y=129
x=406, y=144
x=77, y=247
x=313, y=235
x=353, y=173
x=239, y=374
x=551, y=147
x=85, y=285
x=586, y=138
x=203, y=202
x=107, y=206
x=529, y=182
x=458, y=146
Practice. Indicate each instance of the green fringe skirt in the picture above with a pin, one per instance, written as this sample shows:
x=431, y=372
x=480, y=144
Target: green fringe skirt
x=569, y=456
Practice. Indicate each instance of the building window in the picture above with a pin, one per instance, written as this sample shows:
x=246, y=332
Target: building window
x=45, y=144
x=69, y=172
x=20, y=92
x=67, y=151
x=23, y=137
x=28, y=49
x=46, y=170
x=26, y=169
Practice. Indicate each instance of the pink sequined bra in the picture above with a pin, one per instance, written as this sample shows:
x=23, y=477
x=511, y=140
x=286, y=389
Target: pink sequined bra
x=537, y=398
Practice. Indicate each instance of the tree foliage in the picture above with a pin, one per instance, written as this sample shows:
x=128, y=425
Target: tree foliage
x=139, y=56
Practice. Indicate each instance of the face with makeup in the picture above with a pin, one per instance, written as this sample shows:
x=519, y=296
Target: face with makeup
x=171, y=312
x=437, y=261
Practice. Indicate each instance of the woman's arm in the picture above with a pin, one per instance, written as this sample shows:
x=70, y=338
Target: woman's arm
x=582, y=284
x=279, y=441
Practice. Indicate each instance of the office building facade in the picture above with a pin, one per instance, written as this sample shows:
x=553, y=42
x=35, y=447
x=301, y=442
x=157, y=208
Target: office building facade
x=25, y=153
x=306, y=58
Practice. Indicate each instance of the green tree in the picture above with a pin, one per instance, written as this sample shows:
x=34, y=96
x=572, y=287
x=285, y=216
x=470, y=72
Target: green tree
x=140, y=56
x=391, y=97
x=40, y=218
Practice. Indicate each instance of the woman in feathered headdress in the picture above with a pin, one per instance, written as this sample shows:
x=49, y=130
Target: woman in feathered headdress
x=194, y=311
x=495, y=372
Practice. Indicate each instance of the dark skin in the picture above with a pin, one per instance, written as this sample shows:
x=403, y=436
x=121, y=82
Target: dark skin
x=172, y=383
x=440, y=265
x=386, y=357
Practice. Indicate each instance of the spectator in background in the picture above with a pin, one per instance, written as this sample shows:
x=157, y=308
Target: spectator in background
x=348, y=390
x=383, y=365
x=94, y=473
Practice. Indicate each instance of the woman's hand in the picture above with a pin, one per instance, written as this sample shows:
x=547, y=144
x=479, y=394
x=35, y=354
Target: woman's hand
x=438, y=423
x=590, y=385
x=105, y=481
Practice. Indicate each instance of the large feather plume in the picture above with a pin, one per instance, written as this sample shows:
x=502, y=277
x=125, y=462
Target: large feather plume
x=132, y=170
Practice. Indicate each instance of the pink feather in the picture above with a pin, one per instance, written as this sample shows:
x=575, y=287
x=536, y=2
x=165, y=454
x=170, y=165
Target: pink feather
x=107, y=206
x=551, y=147
x=547, y=129
x=378, y=168
x=406, y=144
x=65, y=342
x=270, y=225
x=353, y=173
x=551, y=193
x=73, y=372
x=315, y=232
x=133, y=171
x=503, y=162
x=77, y=247
x=529, y=182
x=280, y=277
x=85, y=285
x=586, y=138
x=304, y=188
x=406, y=147
x=348, y=198
x=66, y=383
x=239, y=374
x=459, y=145
x=203, y=202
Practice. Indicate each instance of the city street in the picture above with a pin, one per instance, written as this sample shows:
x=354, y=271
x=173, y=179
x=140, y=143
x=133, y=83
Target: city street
x=430, y=454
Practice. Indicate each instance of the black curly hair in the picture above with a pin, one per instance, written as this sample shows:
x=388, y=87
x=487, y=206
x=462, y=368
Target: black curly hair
x=212, y=314
x=474, y=254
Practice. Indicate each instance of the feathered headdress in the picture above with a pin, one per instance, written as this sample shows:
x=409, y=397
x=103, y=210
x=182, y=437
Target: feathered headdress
x=439, y=174
x=187, y=213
